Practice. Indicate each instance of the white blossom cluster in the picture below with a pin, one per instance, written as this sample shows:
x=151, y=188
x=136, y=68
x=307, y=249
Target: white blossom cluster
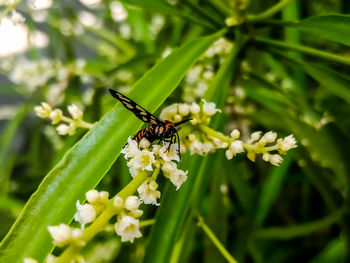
x=147, y=158
x=197, y=81
x=200, y=114
x=56, y=116
x=263, y=144
x=203, y=140
x=36, y=73
x=220, y=47
x=15, y=17
x=127, y=226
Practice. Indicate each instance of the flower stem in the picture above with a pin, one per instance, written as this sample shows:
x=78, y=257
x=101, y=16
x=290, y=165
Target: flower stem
x=102, y=221
x=215, y=241
x=148, y=222
x=79, y=123
x=259, y=149
x=213, y=133
x=269, y=12
x=84, y=124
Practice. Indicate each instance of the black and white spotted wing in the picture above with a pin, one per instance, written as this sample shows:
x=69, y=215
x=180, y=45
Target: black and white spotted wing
x=140, y=112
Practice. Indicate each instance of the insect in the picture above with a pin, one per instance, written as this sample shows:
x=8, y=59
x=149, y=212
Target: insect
x=158, y=130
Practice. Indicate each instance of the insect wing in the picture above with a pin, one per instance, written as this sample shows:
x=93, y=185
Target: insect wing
x=140, y=112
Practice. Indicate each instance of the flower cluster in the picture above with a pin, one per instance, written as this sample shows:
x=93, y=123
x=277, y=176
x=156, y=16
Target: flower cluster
x=201, y=75
x=56, y=116
x=153, y=158
x=264, y=144
x=127, y=226
x=33, y=74
x=15, y=17
x=202, y=139
x=99, y=205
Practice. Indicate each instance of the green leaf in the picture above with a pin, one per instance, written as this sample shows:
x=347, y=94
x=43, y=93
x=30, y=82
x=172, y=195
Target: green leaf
x=334, y=252
x=270, y=190
x=85, y=164
x=331, y=27
x=6, y=140
x=331, y=80
x=175, y=205
x=165, y=8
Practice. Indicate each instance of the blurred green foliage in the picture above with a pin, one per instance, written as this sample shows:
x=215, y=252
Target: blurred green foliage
x=287, y=71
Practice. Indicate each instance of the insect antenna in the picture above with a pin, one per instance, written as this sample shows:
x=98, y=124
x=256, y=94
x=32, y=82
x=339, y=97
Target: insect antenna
x=181, y=122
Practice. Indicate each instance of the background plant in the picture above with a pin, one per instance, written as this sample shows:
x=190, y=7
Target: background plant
x=268, y=65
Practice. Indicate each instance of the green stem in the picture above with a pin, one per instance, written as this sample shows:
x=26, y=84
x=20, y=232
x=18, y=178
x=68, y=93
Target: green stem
x=79, y=123
x=215, y=241
x=303, y=49
x=101, y=222
x=213, y=133
x=299, y=230
x=84, y=124
x=269, y=12
x=148, y=222
x=259, y=149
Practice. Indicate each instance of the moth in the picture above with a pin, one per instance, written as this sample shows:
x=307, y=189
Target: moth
x=158, y=130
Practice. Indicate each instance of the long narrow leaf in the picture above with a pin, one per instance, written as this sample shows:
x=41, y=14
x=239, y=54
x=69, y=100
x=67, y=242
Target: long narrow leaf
x=331, y=27
x=86, y=163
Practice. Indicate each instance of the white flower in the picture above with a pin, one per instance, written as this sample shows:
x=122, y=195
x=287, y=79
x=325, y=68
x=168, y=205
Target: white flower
x=61, y=234
x=183, y=109
x=219, y=143
x=275, y=159
x=169, y=112
x=235, y=134
x=16, y=17
x=144, y=160
x=43, y=111
x=287, y=143
x=148, y=192
x=131, y=149
x=118, y=202
x=50, y=259
x=92, y=196
x=86, y=214
x=209, y=108
x=171, y=154
x=196, y=147
x=144, y=143
x=136, y=213
x=194, y=108
x=134, y=172
x=169, y=168
x=56, y=116
x=237, y=147
x=178, y=178
x=76, y=113
x=208, y=147
x=177, y=118
x=63, y=129
x=128, y=228
x=255, y=136
x=132, y=203
x=30, y=260
x=229, y=154
x=104, y=196
x=268, y=137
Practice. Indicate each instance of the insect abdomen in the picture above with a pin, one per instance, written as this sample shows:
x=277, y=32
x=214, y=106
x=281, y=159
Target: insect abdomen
x=148, y=133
